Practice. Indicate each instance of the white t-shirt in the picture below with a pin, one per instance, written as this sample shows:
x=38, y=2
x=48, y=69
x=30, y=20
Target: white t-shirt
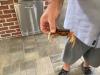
x=77, y=21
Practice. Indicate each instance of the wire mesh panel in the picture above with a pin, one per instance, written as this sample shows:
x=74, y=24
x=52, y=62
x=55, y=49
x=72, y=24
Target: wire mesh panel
x=28, y=14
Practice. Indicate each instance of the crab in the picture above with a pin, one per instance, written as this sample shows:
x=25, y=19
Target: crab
x=64, y=32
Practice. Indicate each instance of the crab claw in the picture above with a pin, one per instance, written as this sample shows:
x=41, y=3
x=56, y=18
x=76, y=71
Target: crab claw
x=72, y=38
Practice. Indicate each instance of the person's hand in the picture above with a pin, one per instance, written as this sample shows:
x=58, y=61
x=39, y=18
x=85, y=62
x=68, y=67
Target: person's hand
x=48, y=19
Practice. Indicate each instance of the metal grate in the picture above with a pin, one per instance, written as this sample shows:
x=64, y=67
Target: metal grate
x=28, y=14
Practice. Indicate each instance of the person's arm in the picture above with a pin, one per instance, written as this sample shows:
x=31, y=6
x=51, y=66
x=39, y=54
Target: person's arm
x=49, y=17
x=57, y=3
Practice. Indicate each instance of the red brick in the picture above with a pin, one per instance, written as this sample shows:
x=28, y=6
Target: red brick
x=10, y=31
x=14, y=27
x=12, y=6
x=11, y=19
x=17, y=33
x=0, y=12
x=2, y=32
x=18, y=30
x=8, y=24
x=3, y=28
x=9, y=11
x=15, y=1
x=3, y=7
x=2, y=20
x=7, y=2
x=5, y=35
x=17, y=36
x=16, y=23
x=0, y=25
x=13, y=15
x=5, y=16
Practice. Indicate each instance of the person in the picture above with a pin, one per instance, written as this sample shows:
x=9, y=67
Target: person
x=82, y=18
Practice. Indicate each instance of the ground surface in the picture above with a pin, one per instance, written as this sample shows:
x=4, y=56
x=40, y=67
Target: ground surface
x=34, y=55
